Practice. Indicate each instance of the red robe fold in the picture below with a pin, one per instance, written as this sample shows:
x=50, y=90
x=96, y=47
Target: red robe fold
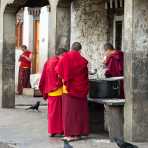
x=55, y=125
x=114, y=66
x=73, y=70
x=23, y=61
x=75, y=116
x=50, y=82
x=24, y=72
x=23, y=79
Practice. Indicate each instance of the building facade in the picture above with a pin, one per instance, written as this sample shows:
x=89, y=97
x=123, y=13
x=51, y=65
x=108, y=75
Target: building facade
x=32, y=30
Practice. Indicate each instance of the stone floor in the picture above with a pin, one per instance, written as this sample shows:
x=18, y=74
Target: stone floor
x=28, y=129
x=27, y=100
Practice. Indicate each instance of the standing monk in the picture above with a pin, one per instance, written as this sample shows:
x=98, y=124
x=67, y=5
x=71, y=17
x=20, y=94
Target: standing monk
x=73, y=70
x=114, y=64
x=51, y=87
x=24, y=69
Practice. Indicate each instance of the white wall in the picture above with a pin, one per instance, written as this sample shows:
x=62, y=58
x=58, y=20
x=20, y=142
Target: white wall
x=18, y=52
x=44, y=36
x=28, y=29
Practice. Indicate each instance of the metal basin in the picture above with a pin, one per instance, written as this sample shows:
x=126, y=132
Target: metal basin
x=104, y=88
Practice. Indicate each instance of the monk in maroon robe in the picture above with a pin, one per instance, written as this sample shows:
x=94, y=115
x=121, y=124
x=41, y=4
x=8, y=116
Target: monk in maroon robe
x=73, y=70
x=114, y=64
x=24, y=70
x=52, y=88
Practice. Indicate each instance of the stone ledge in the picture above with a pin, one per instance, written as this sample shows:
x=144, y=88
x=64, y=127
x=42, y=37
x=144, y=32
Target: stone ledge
x=110, y=102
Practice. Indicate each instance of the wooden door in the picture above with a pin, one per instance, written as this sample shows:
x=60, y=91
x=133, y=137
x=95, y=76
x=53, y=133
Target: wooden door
x=19, y=34
x=35, y=62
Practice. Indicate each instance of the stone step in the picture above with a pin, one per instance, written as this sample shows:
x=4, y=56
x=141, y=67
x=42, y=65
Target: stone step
x=31, y=92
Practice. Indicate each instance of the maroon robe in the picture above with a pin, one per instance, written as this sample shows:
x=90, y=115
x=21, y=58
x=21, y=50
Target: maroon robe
x=73, y=70
x=23, y=79
x=114, y=67
x=24, y=72
x=114, y=64
x=50, y=82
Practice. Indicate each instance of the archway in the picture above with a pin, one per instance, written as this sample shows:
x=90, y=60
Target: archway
x=8, y=48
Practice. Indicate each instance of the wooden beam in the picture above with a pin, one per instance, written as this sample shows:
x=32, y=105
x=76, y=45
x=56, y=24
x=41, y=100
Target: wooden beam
x=111, y=3
x=116, y=3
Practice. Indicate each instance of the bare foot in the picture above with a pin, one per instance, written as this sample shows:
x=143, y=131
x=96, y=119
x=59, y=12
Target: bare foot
x=69, y=139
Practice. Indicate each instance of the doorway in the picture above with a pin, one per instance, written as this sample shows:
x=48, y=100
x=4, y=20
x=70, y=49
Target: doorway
x=118, y=32
x=8, y=40
x=36, y=33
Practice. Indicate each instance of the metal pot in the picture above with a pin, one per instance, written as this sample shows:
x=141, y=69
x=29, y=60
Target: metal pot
x=105, y=88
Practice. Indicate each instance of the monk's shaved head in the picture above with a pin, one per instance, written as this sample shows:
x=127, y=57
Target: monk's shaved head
x=76, y=46
x=24, y=47
x=108, y=46
x=60, y=51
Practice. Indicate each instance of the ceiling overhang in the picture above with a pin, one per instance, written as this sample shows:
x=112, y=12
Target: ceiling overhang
x=110, y=4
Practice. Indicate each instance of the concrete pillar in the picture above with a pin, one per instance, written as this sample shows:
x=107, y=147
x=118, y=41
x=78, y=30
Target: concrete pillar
x=60, y=25
x=63, y=24
x=28, y=29
x=1, y=53
x=8, y=64
x=44, y=36
x=136, y=70
x=52, y=31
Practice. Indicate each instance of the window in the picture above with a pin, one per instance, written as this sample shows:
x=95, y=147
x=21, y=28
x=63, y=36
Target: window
x=118, y=32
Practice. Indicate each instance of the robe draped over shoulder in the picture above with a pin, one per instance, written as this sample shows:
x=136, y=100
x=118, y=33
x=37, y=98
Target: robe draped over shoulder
x=114, y=64
x=73, y=70
x=49, y=81
x=23, y=62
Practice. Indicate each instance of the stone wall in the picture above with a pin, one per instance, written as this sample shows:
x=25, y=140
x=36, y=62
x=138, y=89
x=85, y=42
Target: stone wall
x=89, y=26
x=140, y=71
x=136, y=70
x=63, y=27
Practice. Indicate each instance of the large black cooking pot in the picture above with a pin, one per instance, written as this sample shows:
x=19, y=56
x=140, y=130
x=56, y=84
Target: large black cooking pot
x=105, y=88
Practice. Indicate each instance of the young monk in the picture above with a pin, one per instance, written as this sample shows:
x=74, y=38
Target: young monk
x=51, y=87
x=114, y=61
x=72, y=68
x=24, y=69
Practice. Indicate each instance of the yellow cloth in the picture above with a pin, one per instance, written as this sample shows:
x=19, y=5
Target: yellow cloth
x=57, y=92
x=65, y=89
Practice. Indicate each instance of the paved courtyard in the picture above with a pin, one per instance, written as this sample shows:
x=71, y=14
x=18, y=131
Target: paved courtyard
x=28, y=129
